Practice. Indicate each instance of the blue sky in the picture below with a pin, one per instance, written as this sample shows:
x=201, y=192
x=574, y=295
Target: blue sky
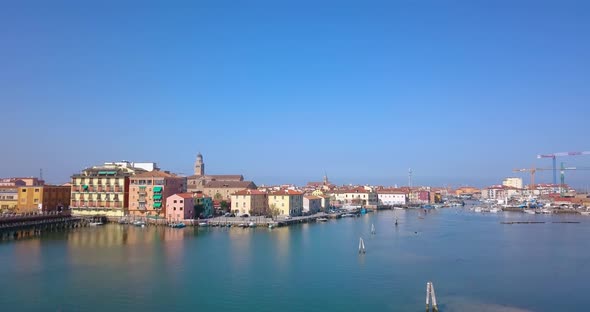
x=281, y=91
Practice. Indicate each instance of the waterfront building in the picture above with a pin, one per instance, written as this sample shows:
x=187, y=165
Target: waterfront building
x=312, y=204
x=250, y=201
x=286, y=202
x=148, y=191
x=180, y=207
x=392, y=197
x=356, y=196
x=500, y=192
x=222, y=190
x=205, y=204
x=467, y=191
x=8, y=198
x=513, y=182
x=325, y=202
x=103, y=190
x=43, y=198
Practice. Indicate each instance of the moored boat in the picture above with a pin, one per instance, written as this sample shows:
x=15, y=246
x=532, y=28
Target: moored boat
x=322, y=219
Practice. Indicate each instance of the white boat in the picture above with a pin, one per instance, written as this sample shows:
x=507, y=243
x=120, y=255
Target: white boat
x=252, y=224
x=477, y=209
x=529, y=211
x=546, y=211
x=271, y=226
x=495, y=210
x=585, y=213
x=95, y=223
x=203, y=224
x=348, y=215
x=398, y=208
x=322, y=219
x=139, y=223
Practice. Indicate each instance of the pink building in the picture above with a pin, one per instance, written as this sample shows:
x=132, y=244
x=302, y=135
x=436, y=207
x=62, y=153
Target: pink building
x=180, y=207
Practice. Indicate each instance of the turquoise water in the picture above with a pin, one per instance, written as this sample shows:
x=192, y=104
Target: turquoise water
x=475, y=263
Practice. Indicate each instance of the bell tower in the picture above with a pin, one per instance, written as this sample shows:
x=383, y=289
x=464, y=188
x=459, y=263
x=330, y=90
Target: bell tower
x=199, y=166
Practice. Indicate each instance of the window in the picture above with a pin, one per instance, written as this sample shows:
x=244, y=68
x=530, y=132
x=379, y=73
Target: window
x=181, y=201
x=24, y=190
x=181, y=208
x=175, y=201
x=36, y=200
x=174, y=208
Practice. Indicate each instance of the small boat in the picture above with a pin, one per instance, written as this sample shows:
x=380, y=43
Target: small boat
x=322, y=219
x=271, y=226
x=203, y=224
x=529, y=211
x=252, y=224
x=398, y=208
x=178, y=225
x=348, y=215
x=139, y=223
x=585, y=213
x=95, y=223
x=494, y=210
x=242, y=225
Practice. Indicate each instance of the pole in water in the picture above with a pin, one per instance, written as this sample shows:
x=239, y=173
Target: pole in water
x=396, y=222
x=434, y=306
x=427, y=296
x=372, y=228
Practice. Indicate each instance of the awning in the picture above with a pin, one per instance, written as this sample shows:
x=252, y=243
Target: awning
x=157, y=188
x=85, y=186
x=157, y=196
x=157, y=205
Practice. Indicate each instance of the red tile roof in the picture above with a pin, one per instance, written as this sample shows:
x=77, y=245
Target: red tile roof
x=286, y=192
x=249, y=192
x=184, y=195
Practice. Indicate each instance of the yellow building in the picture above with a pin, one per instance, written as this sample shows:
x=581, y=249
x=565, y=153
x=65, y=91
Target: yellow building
x=43, y=198
x=287, y=202
x=103, y=190
x=252, y=202
x=8, y=198
x=317, y=193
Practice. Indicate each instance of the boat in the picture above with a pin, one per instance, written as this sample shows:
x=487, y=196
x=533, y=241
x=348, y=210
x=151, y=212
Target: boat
x=348, y=215
x=398, y=208
x=322, y=219
x=95, y=223
x=252, y=224
x=139, y=223
x=529, y=211
x=585, y=213
x=178, y=225
x=271, y=226
x=495, y=210
x=203, y=224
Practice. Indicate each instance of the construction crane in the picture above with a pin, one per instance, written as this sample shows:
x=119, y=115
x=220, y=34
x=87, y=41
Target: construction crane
x=534, y=170
x=563, y=154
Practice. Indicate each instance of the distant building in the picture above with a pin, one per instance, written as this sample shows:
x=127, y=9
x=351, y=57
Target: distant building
x=103, y=190
x=312, y=204
x=149, y=190
x=222, y=190
x=44, y=198
x=325, y=202
x=180, y=207
x=390, y=197
x=286, y=202
x=250, y=201
x=197, y=182
x=8, y=198
x=513, y=182
x=31, y=181
x=500, y=192
x=356, y=196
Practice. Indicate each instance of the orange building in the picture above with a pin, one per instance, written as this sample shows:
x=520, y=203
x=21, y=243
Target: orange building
x=148, y=192
x=43, y=198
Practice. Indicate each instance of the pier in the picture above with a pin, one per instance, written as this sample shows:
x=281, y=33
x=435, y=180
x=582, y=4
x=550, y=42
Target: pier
x=24, y=225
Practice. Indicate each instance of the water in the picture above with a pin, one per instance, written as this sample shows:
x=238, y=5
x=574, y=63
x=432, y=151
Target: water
x=475, y=263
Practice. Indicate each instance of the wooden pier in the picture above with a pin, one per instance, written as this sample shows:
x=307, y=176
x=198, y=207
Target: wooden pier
x=24, y=225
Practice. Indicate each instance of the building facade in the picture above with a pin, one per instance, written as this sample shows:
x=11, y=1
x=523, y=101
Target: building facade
x=392, y=198
x=180, y=207
x=30, y=181
x=222, y=190
x=286, y=203
x=148, y=192
x=513, y=182
x=8, y=198
x=45, y=198
x=356, y=196
x=205, y=205
x=197, y=182
x=102, y=190
x=249, y=201
x=312, y=204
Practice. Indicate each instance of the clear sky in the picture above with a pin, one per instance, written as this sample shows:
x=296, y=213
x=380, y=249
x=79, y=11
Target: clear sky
x=281, y=91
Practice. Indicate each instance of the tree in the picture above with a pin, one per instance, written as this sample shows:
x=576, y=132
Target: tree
x=217, y=196
x=224, y=205
x=274, y=211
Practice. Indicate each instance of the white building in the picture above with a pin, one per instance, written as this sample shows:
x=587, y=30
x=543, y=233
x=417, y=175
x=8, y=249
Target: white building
x=312, y=204
x=356, y=196
x=391, y=198
x=147, y=166
x=513, y=182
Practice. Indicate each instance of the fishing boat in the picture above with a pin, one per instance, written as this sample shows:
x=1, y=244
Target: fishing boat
x=139, y=223
x=348, y=215
x=322, y=219
x=529, y=211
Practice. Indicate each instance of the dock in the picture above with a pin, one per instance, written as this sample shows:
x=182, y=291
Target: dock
x=24, y=225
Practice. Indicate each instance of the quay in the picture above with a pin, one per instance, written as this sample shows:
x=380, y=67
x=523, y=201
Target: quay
x=24, y=225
